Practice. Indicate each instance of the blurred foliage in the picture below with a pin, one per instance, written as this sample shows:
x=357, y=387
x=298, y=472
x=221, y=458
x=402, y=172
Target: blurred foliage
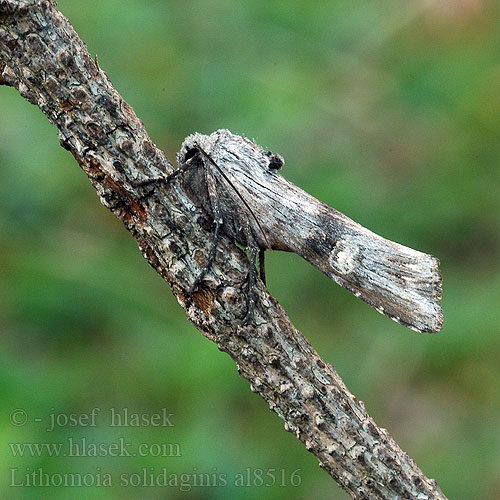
x=387, y=111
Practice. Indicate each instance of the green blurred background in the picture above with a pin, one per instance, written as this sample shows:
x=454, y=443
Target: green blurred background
x=388, y=111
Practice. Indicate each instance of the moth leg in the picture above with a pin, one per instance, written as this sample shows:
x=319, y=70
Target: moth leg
x=211, y=255
x=250, y=286
x=212, y=192
x=262, y=267
x=169, y=178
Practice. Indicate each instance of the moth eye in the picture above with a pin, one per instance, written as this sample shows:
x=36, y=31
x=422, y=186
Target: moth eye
x=275, y=161
x=190, y=153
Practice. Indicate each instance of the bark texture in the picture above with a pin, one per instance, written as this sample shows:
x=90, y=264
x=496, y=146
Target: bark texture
x=44, y=59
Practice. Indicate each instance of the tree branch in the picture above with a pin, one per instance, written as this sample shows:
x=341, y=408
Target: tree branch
x=42, y=56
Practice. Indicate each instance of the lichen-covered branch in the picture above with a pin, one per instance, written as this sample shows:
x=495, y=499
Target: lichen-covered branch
x=44, y=59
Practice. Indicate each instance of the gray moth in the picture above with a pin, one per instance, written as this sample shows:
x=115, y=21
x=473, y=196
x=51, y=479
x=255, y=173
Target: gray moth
x=238, y=185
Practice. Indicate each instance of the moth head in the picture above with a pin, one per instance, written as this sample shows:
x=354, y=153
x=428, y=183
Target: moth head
x=191, y=153
x=275, y=161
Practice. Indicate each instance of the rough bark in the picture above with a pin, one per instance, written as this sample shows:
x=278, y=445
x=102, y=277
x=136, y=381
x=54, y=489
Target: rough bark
x=42, y=56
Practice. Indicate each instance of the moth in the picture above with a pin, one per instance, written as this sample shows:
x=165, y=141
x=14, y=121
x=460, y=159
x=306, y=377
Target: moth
x=238, y=185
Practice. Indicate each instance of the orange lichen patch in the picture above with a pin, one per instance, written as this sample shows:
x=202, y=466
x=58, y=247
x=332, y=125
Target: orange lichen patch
x=132, y=207
x=117, y=187
x=65, y=105
x=203, y=300
x=138, y=209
